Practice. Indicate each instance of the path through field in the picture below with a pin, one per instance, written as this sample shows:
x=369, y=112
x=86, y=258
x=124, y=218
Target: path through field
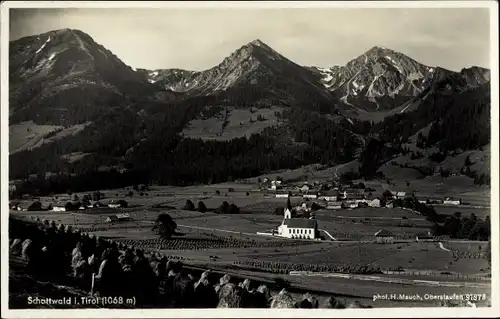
x=442, y=247
x=333, y=238
x=221, y=230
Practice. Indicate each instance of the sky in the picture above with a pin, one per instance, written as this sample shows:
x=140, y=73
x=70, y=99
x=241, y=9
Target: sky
x=198, y=39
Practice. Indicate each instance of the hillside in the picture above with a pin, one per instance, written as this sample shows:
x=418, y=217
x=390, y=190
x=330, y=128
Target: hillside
x=64, y=77
x=254, y=113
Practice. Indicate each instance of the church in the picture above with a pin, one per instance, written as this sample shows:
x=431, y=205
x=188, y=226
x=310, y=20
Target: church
x=298, y=228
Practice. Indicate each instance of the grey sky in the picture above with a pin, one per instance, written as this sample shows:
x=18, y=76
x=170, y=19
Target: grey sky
x=198, y=39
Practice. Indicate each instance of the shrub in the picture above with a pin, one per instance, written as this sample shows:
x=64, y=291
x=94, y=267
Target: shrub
x=189, y=205
x=201, y=207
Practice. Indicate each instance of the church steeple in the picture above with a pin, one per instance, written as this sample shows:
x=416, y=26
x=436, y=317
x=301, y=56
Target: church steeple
x=288, y=209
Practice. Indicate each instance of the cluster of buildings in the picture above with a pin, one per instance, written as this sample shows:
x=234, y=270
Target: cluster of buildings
x=335, y=196
x=66, y=207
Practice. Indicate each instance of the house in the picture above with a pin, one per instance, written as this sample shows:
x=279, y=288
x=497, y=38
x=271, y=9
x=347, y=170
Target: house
x=93, y=204
x=400, y=194
x=350, y=204
x=310, y=196
x=299, y=228
x=302, y=206
x=396, y=195
x=353, y=195
x=422, y=201
x=305, y=188
x=305, y=207
x=123, y=216
x=389, y=205
x=282, y=195
x=334, y=205
x=424, y=237
x=275, y=184
x=384, y=236
x=374, y=203
x=117, y=204
x=111, y=219
x=14, y=205
x=450, y=201
x=59, y=208
x=328, y=196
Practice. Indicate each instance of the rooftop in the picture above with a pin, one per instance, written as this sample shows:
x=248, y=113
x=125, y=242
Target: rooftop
x=300, y=223
x=383, y=233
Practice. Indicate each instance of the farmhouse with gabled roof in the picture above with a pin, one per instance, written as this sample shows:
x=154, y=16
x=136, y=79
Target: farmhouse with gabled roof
x=384, y=236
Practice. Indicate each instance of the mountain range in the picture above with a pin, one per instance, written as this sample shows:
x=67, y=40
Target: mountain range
x=300, y=114
x=378, y=80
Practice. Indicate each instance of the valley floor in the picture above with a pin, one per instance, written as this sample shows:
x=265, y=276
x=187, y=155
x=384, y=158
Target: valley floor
x=230, y=243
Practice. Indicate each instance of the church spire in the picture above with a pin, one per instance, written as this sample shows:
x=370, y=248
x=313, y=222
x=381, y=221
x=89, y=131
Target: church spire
x=289, y=204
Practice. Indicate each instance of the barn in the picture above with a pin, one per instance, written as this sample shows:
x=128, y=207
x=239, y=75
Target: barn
x=329, y=196
x=424, y=237
x=282, y=195
x=334, y=205
x=384, y=236
x=452, y=201
x=305, y=188
x=118, y=204
x=374, y=203
x=59, y=208
x=117, y=218
x=310, y=196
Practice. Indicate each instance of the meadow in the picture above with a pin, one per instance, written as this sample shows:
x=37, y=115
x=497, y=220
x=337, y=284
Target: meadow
x=231, y=242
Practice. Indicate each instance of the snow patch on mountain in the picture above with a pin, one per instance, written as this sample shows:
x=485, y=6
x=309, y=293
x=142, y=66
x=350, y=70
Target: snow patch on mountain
x=43, y=45
x=396, y=65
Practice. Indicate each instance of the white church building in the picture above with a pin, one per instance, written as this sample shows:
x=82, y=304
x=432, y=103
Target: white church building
x=298, y=228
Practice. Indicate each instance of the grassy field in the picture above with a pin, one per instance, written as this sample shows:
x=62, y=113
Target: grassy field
x=27, y=134
x=30, y=135
x=239, y=123
x=222, y=240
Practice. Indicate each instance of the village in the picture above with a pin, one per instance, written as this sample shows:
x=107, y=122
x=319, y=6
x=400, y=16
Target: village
x=345, y=196
x=299, y=221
